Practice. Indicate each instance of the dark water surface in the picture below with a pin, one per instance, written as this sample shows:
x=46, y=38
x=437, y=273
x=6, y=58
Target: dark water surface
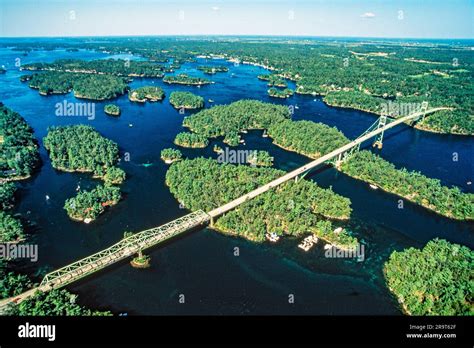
x=201, y=264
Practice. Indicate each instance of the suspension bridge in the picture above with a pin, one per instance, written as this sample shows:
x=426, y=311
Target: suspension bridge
x=145, y=239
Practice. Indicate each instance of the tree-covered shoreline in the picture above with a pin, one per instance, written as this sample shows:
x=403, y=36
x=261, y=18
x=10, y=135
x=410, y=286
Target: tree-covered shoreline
x=19, y=155
x=436, y=280
x=146, y=93
x=413, y=186
x=85, y=86
x=186, y=100
x=184, y=79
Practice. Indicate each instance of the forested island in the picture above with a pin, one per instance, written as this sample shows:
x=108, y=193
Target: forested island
x=111, y=109
x=436, y=280
x=273, y=80
x=184, y=79
x=260, y=158
x=280, y=93
x=413, y=186
x=291, y=208
x=117, y=67
x=186, y=100
x=88, y=205
x=146, y=93
x=80, y=148
x=211, y=70
x=18, y=149
x=86, y=86
x=171, y=155
x=192, y=140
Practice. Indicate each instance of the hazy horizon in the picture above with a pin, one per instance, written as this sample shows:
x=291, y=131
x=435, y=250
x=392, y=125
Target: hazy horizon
x=400, y=19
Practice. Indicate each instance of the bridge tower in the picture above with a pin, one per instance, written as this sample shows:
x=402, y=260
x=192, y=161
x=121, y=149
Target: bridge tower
x=381, y=123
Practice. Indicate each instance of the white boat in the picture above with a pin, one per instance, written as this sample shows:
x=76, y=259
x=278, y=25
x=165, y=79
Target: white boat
x=87, y=220
x=297, y=107
x=373, y=187
x=47, y=197
x=130, y=125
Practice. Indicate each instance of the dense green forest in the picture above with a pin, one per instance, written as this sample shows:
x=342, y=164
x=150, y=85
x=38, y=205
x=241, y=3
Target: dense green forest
x=111, y=109
x=280, y=93
x=146, y=93
x=436, y=280
x=211, y=70
x=80, y=148
x=118, y=67
x=273, y=80
x=292, y=208
x=11, y=229
x=86, y=86
x=7, y=195
x=222, y=120
x=171, y=155
x=11, y=283
x=413, y=186
x=192, y=140
x=306, y=137
x=112, y=175
x=260, y=158
x=18, y=150
x=186, y=100
x=184, y=79
x=52, y=303
x=90, y=204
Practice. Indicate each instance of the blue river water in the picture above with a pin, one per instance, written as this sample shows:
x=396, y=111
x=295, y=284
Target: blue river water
x=201, y=265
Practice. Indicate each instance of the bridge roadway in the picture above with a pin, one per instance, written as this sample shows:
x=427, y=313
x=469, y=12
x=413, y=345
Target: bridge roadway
x=145, y=239
x=333, y=154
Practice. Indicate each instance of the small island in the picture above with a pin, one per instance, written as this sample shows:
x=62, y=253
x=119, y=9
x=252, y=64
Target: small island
x=192, y=140
x=280, y=93
x=171, y=155
x=183, y=79
x=111, y=109
x=260, y=159
x=81, y=148
x=85, y=86
x=436, y=280
x=273, y=80
x=146, y=93
x=86, y=206
x=186, y=100
x=141, y=260
x=211, y=70
x=217, y=149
